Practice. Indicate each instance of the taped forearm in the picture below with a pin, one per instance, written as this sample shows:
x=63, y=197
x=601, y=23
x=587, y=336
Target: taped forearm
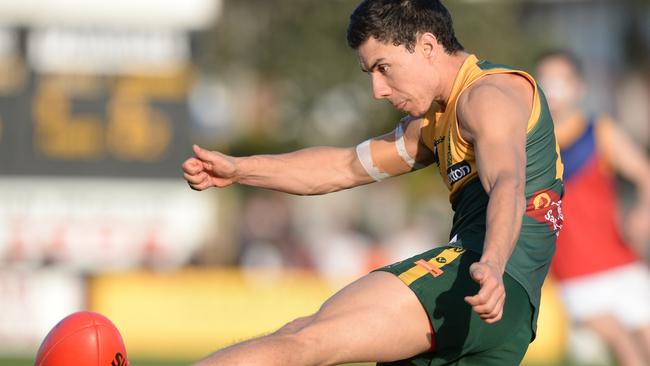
x=386, y=156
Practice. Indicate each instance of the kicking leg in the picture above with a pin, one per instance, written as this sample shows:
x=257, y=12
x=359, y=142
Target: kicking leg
x=376, y=318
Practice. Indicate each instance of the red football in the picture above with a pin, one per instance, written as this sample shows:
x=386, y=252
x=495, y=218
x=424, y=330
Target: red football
x=85, y=339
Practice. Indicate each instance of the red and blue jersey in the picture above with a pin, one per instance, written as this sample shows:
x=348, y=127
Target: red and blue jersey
x=590, y=241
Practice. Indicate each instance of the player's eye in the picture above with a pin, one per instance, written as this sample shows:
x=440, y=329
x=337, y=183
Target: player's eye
x=382, y=68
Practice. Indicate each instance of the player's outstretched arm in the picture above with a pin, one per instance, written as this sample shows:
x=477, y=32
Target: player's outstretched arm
x=315, y=170
x=629, y=160
x=494, y=117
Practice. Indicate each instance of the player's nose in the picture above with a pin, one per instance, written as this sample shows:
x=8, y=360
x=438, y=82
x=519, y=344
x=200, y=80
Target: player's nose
x=380, y=88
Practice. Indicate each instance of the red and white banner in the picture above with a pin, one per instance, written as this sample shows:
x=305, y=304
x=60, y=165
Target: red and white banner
x=98, y=224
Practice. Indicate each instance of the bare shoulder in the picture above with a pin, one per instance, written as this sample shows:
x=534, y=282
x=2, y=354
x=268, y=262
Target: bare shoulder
x=500, y=96
x=513, y=88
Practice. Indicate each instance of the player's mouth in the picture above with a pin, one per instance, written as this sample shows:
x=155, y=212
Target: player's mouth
x=400, y=106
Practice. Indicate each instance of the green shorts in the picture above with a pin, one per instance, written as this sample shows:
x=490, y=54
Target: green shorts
x=440, y=279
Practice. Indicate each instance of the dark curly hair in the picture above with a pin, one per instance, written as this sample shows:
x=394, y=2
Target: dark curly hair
x=400, y=21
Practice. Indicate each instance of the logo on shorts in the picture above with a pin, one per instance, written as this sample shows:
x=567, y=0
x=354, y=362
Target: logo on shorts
x=435, y=271
x=458, y=171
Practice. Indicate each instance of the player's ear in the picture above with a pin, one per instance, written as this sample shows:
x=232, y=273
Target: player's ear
x=427, y=44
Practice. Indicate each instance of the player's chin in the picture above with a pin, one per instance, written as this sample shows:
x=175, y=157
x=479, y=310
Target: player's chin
x=415, y=112
x=416, y=115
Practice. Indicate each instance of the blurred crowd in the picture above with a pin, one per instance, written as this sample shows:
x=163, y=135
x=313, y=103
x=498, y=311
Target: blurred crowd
x=340, y=235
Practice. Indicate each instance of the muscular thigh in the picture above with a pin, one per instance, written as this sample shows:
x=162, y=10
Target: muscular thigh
x=376, y=318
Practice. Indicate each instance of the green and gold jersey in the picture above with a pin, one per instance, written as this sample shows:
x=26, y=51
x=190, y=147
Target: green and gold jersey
x=456, y=163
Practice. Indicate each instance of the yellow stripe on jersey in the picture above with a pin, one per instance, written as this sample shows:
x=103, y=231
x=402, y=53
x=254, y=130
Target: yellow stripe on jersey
x=559, y=167
x=418, y=271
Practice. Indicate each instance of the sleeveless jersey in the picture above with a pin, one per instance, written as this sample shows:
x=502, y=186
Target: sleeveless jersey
x=456, y=162
x=590, y=242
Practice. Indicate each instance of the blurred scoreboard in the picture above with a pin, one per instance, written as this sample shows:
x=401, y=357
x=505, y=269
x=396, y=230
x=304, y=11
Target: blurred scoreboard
x=68, y=108
x=96, y=88
x=94, y=124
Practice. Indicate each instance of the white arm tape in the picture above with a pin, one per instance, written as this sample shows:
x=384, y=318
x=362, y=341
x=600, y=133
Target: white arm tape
x=401, y=148
x=365, y=157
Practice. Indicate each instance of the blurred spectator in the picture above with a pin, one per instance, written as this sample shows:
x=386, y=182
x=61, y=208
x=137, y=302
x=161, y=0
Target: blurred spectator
x=332, y=230
x=420, y=234
x=266, y=236
x=341, y=253
x=604, y=283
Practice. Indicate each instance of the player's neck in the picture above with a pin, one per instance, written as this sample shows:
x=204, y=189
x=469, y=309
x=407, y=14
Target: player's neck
x=450, y=70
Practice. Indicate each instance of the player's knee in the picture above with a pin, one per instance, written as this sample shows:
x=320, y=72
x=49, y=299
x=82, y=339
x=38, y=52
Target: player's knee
x=295, y=326
x=302, y=332
x=305, y=336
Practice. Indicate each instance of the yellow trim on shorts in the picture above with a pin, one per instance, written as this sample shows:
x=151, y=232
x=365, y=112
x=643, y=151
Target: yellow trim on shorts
x=445, y=257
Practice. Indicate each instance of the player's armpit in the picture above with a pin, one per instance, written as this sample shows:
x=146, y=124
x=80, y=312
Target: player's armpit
x=394, y=153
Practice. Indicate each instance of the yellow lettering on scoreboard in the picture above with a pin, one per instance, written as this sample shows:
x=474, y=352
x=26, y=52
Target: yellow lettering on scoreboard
x=58, y=133
x=136, y=130
x=131, y=129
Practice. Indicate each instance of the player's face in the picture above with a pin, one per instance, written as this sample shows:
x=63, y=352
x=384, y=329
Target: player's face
x=398, y=75
x=561, y=84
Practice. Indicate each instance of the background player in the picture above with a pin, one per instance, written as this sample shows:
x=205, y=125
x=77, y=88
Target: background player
x=488, y=130
x=604, y=283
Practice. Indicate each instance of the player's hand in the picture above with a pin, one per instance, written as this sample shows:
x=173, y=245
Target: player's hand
x=209, y=169
x=489, y=301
